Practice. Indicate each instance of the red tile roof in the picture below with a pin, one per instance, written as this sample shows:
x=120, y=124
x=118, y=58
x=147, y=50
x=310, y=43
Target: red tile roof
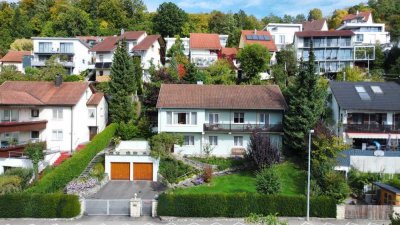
x=41, y=93
x=15, y=56
x=364, y=15
x=193, y=96
x=110, y=43
x=331, y=33
x=229, y=52
x=95, y=99
x=205, y=41
x=315, y=25
x=270, y=45
x=146, y=43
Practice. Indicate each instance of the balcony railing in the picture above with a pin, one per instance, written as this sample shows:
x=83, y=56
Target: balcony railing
x=246, y=128
x=372, y=128
x=16, y=150
x=39, y=63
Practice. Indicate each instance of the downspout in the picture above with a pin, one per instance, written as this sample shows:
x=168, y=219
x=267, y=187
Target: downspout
x=72, y=128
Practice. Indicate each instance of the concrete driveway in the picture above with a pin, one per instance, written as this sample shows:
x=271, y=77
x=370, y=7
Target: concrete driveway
x=118, y=189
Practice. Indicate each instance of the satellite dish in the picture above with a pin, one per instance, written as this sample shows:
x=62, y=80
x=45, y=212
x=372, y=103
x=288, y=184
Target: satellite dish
x=379, y=153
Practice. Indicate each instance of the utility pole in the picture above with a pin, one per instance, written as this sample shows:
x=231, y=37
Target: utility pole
x=309, y=174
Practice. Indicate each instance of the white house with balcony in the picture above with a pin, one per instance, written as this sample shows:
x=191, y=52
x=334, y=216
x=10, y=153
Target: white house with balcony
x=333, y=50
x=72, y=53
x=283, y=33
x=205, y=48
x=62, y=114
x=366, y=114
x=366, y=31
x=220, y=117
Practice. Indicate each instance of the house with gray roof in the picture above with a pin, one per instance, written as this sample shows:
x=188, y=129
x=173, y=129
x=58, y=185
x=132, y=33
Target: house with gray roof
x=366, y=114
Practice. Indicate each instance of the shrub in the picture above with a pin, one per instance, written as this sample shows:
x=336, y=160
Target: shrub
x=127, y=131
x=144, y=127
x=264, y=220
x=163, y=143
x=242, y=205
x=10, y=184
x=97, y=171
x=73, y=78
x=59, y=177
x=174, y=170
x=207, y=173
x=261, y=151
x=39, y=206
x=395, y=220
x=24, y=173
x=268, y=181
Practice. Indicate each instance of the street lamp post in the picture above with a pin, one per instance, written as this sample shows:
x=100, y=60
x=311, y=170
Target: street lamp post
x=309, y=174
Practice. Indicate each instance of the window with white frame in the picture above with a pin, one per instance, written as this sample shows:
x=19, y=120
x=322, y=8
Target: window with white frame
x=9, y=115
x=238, y=140
x=188, y=140
x=263, y=118
x=92, y=113
x=57, y=135
x=213, y=140
x=213, y=118
x=182, y=118
x=58, y=113
x=238, y=117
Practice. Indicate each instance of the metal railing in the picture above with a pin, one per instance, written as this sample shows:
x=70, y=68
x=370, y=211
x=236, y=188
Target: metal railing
x=372, y=128
x=244, y=127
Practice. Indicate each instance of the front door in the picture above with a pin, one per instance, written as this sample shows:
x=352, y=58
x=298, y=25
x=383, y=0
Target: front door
x=92, y=132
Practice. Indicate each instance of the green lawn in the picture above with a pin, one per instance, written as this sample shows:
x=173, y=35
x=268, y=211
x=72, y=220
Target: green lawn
x=221, y=163
x=293, y=182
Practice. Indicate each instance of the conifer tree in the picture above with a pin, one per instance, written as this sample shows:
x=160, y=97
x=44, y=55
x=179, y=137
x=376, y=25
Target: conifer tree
x=306, y=100
x=122, y=85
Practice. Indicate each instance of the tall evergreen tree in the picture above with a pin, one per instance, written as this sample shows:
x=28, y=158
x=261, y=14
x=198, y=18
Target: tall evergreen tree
x=306, y=100
x=122, y=85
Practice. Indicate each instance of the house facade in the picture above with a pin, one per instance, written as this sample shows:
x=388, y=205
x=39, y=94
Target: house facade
x=366, y=31
x=205, y=48
x=72, y=53
x=333, y=50
x=17, y=59
x=150, y=49
x=283, y=33
x=62, y=114
x=366, y=114
x=220, y=118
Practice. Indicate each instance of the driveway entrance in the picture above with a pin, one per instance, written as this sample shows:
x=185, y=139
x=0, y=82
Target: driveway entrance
x=121, y=189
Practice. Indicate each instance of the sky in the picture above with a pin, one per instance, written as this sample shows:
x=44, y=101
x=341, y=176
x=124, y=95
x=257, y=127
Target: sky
x=258, y=8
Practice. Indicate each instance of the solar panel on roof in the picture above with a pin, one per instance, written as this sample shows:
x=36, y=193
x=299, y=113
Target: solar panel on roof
x=249, y=37
x=266, y=38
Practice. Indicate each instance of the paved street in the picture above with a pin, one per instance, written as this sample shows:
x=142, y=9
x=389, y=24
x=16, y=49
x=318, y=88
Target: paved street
x=124, y=220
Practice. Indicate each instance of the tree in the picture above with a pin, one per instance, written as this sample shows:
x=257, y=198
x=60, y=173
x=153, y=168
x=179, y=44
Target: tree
x=314, y=14
x=254, y=59
x=221, y=23
x=300, y=18
x=268, y=182
x=351, y=74
x=51, y=69
x=22, y=45
x=306, y=101
x=221, y=72
x=169, y=19
x=261, y=151
x=177, y=49
x=337, y=18
x=73, y=22
x=162, y=144
x=379, y=61
x=138, y=72
x=35, y=153
x=127, y=131
x=21, y=27
x=122, y=85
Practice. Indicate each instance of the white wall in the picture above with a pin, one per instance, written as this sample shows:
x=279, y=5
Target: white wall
x=164, y=127
x=203, y=58
x=286, y=30
x=376, y=164
x=27, y=163
x=18, y=66
x=131, y=159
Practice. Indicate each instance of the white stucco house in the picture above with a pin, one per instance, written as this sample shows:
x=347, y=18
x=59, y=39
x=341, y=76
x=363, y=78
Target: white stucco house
x=206, y=48
x=283, y=33
x=220, y=117
x=15, y=59
x=72, y=53
x=131, y=160
x=150, y=49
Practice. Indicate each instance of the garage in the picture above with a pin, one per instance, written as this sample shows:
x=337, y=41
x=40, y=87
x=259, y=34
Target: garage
x=120, y=171
x=143, y=171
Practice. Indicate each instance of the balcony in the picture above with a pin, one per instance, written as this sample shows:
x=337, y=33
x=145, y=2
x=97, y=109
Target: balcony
x=39, y=63
x=22, y=126
x=371, y=128
x=244, y=128
x=52, y=51
x=16, y=150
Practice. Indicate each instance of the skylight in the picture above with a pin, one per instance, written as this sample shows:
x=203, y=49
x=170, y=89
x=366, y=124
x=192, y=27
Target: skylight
x=362, y=93
x=377, y=89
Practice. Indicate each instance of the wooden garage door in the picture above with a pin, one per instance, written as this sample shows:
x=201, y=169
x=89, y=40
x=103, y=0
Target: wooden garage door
x=120, y=171
x=142, y=171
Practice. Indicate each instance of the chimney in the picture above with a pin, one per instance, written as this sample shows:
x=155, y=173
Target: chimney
x=58, y=81
x=357, y=12
x=255, y=31
x=122, y=32
x=199, y=82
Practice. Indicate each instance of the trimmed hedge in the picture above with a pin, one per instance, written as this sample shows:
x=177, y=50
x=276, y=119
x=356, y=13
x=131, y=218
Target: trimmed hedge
x=241, y=205
x=60, y=176
x=39, y=206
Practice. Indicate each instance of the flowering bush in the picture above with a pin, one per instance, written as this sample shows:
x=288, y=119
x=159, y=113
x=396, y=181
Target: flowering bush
x=198, y=181
x=81, y=184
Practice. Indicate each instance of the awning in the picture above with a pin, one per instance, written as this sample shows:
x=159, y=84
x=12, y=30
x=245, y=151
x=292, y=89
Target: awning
x=373, y=136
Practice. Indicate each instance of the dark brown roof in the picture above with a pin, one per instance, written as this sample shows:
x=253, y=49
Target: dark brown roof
x=331, y=33
x=221, y=97
x=205, y=41
x=270, y=44
x=95, y=99
x=315, y=25
x=146, y=43
x=364, y=15
x=15, y=56
x=41, y=93
x=110, y=43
